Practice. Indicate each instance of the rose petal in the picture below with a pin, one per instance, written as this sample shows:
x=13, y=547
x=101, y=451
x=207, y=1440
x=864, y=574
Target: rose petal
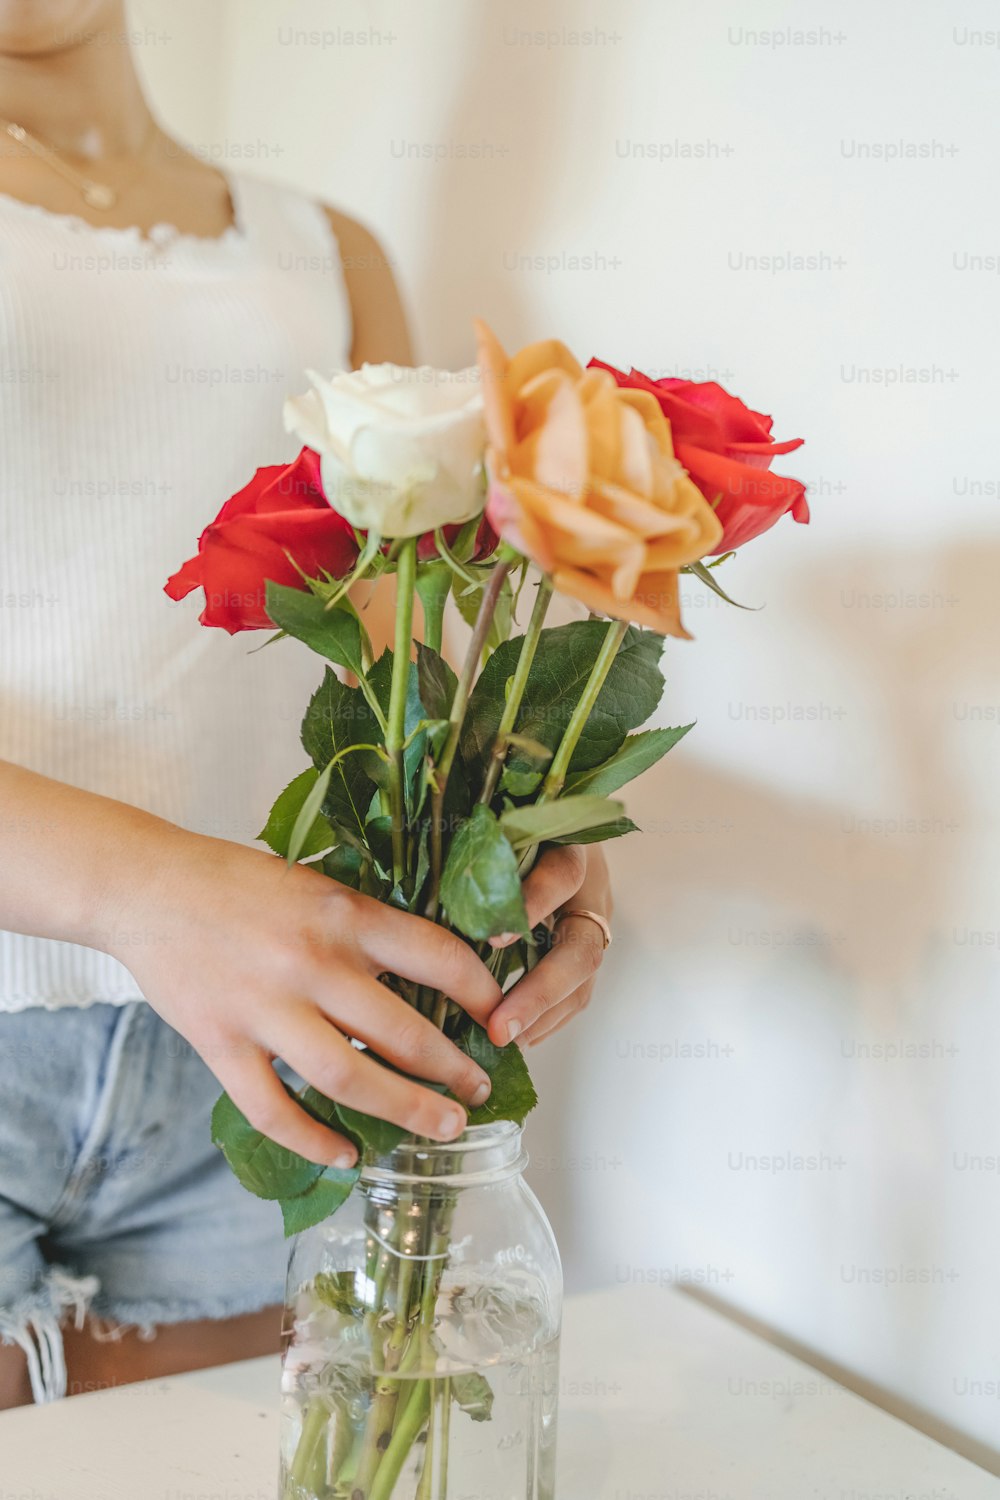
x=656, y=602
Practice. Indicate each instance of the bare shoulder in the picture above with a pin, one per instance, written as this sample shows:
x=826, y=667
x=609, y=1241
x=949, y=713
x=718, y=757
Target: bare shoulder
x=358, y=245
x=380, y=329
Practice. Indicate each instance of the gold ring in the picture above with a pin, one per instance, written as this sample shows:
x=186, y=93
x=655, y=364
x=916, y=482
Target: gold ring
x=592, y=916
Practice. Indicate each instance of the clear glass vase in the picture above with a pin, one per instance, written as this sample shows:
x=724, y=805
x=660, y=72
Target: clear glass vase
x=422, y=1333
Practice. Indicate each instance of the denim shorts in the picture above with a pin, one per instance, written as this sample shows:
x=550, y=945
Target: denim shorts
x=113, y=1200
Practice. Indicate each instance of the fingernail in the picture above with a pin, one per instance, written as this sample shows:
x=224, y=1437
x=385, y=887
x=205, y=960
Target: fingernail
x=514, y=1029
x=345, y=1161
x=502, y=940
x=481, y=1095
x=452, y=1124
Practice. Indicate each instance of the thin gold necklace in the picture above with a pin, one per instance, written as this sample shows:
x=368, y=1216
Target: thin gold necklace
x=95, y=194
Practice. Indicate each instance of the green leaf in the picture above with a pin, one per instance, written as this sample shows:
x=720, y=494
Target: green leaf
x=433, y=584
x=379, y=834
x=423, y=869
x=637, y=754
x=333, y=633
x=562, y=664
x=513, y=1094
x=336, y=718
x=437, y=682
x=306, y=1191
x=277, y=832
x=310, y=822
x=380, y=1136
x=458, y=798
x=344, y=863
x=536, y=822
x=480, y=884
x=600, y=833
x=261, y=1165
x=700, y=571
x=339, y=1290
x=437, y=733
x=319, y=1201
x=364, y=1130
x=519, y=783
x=455, y=560
x=469, y=597
x=534, y=750
x=318, y=1105
x=464, y=544
x=473, y=1394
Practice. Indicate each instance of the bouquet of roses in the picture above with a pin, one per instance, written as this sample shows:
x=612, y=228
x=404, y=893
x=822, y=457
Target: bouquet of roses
x=434, y=789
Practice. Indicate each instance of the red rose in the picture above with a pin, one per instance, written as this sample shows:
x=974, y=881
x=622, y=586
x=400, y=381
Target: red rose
x=727, y=449
x=282, y=511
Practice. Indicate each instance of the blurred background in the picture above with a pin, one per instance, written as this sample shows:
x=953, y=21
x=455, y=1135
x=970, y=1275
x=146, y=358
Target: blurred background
x=784, y=1097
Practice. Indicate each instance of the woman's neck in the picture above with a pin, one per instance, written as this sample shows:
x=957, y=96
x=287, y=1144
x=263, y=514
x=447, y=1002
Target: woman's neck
x=84, y=99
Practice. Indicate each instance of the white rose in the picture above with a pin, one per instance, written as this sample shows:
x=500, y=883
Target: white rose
x=401, y=450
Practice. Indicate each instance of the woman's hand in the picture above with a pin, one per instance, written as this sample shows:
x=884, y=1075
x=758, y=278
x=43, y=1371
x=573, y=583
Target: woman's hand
x=250, y=960
x=562, y=983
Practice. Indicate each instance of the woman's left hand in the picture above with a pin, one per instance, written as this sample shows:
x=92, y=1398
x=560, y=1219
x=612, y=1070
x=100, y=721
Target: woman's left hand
x=561, y=984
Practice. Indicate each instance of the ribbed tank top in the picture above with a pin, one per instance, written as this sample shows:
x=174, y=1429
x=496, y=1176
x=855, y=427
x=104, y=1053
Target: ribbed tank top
x=141, y=383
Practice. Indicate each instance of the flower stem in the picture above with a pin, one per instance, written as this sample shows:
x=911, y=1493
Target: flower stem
x=427, y=1471
x=519, y=682
x=401, y=1442
x=406, y=570
x=456, y=718
x=342, y=1441
x=444, y=1435
x=556, y=777
x=382, y=1412
x=311, y=1439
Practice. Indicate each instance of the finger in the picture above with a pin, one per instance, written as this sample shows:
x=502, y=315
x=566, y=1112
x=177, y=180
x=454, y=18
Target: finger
x=324, y=1057
x=574, y=958
x=420, y=950
x=558, y=1017
x=256, y=1089
x=554, y=880
x=407, y=1039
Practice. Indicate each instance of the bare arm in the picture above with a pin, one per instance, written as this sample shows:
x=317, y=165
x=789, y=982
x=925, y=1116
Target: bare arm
x=247, y=959
x=380, y=332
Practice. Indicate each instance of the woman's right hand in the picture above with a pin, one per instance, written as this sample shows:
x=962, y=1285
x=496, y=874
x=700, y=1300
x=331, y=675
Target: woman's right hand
x=250, y=960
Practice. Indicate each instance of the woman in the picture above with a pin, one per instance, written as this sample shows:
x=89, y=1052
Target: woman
x=152, y=315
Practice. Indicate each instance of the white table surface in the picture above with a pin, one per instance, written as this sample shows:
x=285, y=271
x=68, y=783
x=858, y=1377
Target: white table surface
x=662, y=1399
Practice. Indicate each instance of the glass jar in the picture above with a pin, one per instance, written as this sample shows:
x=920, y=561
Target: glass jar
x=422, y=1332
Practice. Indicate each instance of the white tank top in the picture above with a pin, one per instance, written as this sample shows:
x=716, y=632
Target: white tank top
x=141, y=383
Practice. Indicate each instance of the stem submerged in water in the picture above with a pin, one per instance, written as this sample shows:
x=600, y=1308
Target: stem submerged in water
x=311, y=1444
x=405, y=1435
x=405, y=1268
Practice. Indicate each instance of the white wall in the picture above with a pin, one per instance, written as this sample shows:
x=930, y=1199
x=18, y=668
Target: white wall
x=819, y=876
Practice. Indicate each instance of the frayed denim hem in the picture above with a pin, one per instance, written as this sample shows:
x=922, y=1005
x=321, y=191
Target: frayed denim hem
x=35, y=1324
x=112, y=1317
x=35, y=1321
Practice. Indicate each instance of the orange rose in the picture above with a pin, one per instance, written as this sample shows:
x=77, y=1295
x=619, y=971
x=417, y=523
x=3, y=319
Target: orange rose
x=584, y=481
